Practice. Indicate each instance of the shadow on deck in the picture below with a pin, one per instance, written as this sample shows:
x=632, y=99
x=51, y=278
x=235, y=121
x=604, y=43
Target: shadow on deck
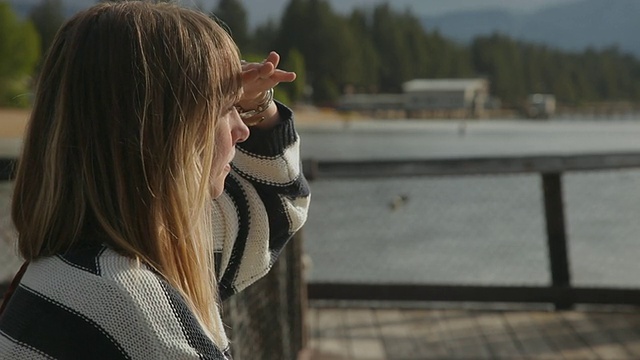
x=364, y=333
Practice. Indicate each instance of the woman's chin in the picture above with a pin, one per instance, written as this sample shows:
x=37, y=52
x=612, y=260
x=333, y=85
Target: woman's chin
x=216, y=191
x=217, y=185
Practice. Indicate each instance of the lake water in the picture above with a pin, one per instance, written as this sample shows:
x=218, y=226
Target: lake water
x=471, y=229
x=461, y=230
x=447, y=139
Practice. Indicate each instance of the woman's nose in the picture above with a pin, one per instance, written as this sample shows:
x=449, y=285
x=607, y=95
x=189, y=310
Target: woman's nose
x=239, y=129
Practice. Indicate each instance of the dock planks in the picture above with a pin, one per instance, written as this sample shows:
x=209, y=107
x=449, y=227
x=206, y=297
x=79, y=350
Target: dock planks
x=400, y=334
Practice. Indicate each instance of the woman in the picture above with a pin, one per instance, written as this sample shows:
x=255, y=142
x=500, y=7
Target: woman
x=131, y=216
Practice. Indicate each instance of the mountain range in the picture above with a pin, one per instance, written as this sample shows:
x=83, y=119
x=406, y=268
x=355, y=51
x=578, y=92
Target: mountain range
x=567, y=25
x=574, y=26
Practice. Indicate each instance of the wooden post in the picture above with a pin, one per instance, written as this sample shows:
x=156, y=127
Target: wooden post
x=557, y=239
x=298, y=303
x=310, y=169
x=7, y=169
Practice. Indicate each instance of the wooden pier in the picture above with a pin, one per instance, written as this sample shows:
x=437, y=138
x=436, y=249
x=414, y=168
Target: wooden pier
x=443, y=334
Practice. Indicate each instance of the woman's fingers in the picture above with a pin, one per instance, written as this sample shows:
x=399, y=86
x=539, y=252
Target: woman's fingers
x=273, y=58
x=284, y=76
x=260, y=77
x=250, y=75
x=267, y=67
x=266, y=70
x=265, y=77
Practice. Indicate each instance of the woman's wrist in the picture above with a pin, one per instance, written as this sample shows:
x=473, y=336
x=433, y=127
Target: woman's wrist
x=254, y=111
x=253, y=106
x=269, y=118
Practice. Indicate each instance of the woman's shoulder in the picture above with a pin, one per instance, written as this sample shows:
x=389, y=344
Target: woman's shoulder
x=100, y=275
x=113, y=300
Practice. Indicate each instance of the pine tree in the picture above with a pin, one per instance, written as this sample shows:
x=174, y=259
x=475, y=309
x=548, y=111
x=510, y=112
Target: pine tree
x=19, y=53
x=233, y=16
x=47, y=17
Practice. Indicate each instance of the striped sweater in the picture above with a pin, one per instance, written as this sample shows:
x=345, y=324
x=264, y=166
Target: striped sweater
x=93, y=303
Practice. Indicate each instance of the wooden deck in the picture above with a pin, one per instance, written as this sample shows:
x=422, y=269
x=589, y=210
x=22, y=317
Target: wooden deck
x=376, y=334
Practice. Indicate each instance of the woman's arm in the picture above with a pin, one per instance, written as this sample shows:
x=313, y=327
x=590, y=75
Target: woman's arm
x=265, y=202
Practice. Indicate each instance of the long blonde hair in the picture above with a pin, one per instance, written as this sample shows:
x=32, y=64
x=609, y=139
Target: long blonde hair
x=121, y=141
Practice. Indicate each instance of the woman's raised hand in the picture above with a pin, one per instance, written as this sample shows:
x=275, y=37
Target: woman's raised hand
x=260, y=77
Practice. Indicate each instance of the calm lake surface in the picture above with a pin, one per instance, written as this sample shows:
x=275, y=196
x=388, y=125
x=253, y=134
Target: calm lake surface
x=471, y=229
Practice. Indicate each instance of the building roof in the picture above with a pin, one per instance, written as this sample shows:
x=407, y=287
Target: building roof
x=373, y=98
x=417, y=85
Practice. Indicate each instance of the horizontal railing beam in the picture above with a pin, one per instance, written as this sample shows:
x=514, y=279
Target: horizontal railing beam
x=463, y=293
x=327, y=169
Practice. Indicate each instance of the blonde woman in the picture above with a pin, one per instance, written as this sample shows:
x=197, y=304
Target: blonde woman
x=157, y=177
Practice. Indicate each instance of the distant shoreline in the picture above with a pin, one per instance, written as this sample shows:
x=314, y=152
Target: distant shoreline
x=13, y=122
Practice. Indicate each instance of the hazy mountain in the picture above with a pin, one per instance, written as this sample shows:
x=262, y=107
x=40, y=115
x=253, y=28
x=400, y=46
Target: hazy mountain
x=465, y=25
x=574, y=26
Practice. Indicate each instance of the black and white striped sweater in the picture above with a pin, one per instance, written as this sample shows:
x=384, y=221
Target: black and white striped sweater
x=93, y=303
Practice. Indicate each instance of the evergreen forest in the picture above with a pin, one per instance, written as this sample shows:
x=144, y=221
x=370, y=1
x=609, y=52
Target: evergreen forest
x=370, y=50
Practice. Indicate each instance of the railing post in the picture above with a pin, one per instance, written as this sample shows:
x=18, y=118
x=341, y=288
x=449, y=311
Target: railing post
x=310, y=169
x=7, y=169
x=557, y=239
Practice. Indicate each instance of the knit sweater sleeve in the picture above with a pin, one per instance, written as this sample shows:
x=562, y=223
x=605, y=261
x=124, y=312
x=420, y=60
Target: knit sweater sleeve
x=265, y=202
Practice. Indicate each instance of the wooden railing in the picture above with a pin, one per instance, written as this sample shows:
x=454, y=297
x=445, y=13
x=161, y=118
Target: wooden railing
x=560, y=292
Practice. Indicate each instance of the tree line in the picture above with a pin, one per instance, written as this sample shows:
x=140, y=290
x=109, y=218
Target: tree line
x=376, y=50
x=372, y=50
